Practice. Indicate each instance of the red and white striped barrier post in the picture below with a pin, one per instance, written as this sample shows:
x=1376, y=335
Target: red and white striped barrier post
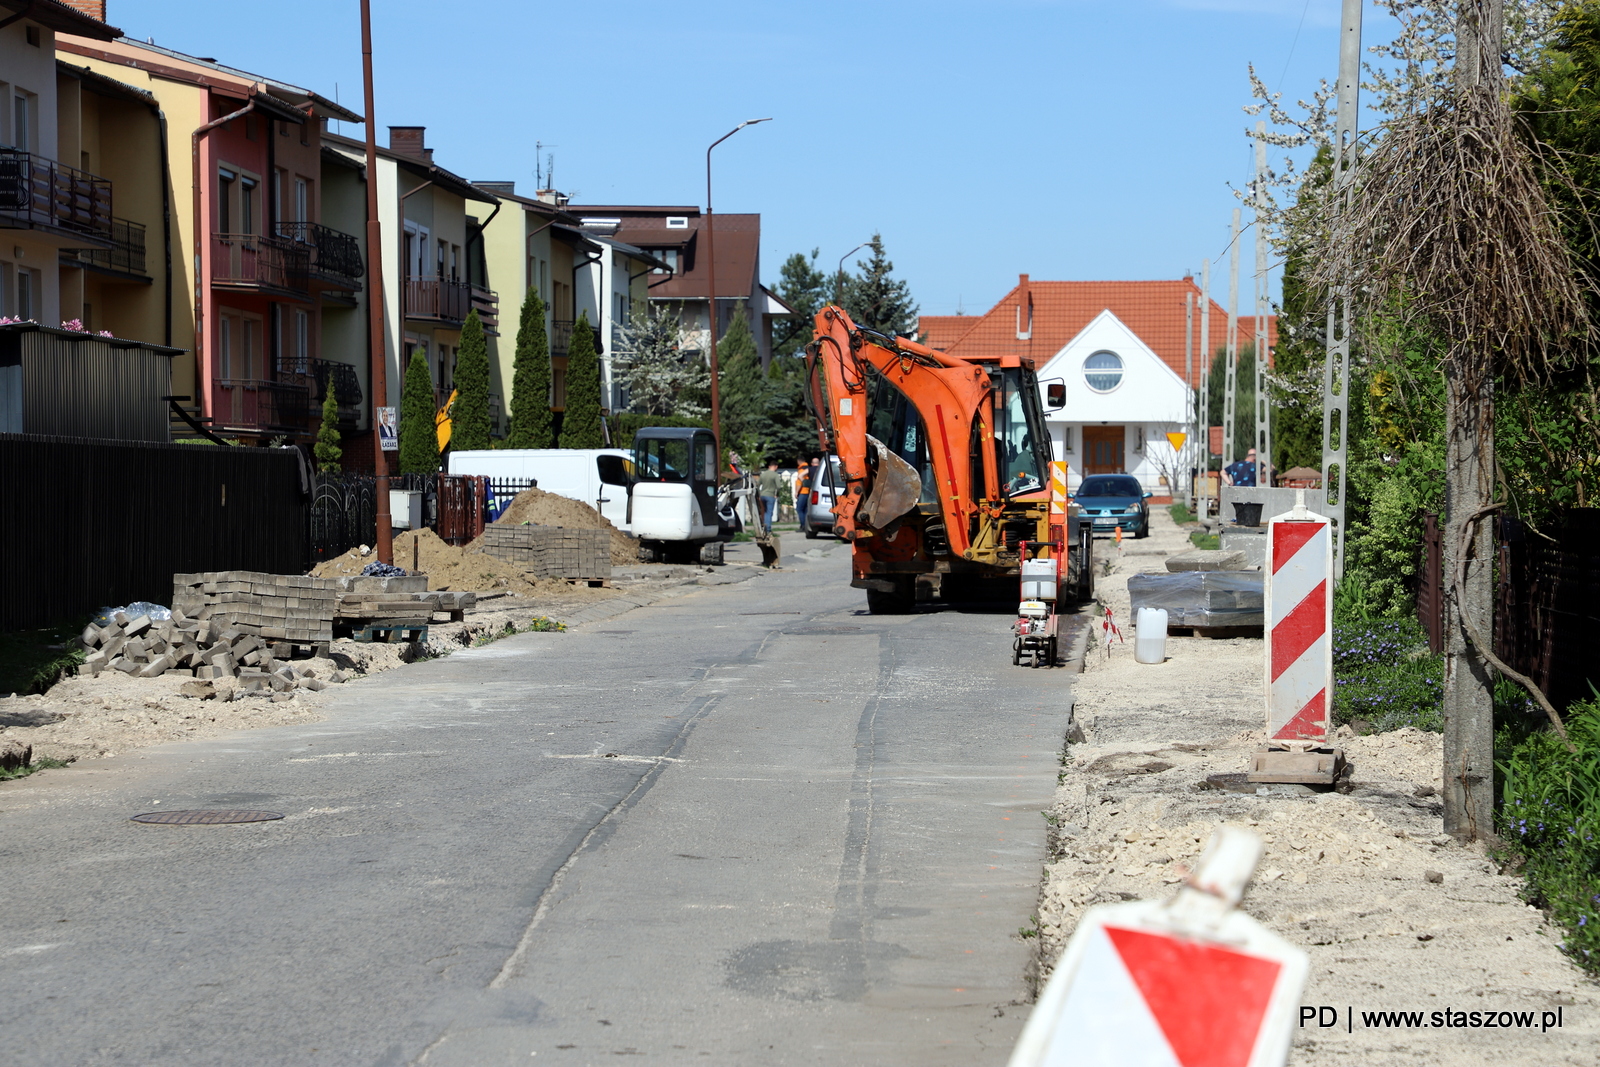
x=1299, y=674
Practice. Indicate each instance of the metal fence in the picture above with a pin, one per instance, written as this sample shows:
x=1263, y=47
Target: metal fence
x=89, y=524
x=342, y=512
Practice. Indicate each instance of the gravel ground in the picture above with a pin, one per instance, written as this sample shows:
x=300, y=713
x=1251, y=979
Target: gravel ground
x=1395, y=915
x=87, y=718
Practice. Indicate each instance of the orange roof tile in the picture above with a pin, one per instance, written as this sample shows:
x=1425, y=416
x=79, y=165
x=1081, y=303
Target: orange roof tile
x=1060, y=310
x=942, y=331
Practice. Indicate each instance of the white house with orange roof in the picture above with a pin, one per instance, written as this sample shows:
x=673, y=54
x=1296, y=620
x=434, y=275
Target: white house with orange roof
x=1120, y=349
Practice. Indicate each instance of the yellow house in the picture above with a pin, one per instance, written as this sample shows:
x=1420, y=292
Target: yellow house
x=577, y=268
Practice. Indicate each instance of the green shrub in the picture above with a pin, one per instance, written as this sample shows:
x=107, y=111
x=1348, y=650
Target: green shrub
x=1384, y=674
x=1549, y=818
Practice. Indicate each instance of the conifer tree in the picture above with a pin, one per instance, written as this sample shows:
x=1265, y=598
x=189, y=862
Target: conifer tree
x=530, y=379
x=877, y=300
x=580, y=426
x=470, y=416
x=743, y=386
x=327, y=448
x=419, y=439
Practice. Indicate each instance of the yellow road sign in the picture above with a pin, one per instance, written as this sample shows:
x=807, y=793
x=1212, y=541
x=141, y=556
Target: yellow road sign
x=1177, y=440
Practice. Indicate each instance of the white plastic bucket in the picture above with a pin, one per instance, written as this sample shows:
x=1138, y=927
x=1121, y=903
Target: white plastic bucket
x=1039, y=579
x=1150, y=639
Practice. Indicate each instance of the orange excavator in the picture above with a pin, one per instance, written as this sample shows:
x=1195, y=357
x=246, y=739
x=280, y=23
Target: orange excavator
x=946, y=467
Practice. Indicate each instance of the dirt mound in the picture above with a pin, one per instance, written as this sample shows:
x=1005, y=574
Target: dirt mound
x=540, y=508
x=449, y=567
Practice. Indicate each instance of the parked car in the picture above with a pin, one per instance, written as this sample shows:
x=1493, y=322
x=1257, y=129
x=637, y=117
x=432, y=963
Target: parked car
x=828, y=481
x=1115, y=500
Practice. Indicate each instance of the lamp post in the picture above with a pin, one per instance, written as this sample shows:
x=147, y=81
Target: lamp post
x=378, y=385
x=711, y=288
x=838, y=275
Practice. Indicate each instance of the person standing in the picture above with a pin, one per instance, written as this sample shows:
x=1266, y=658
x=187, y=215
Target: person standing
x=770, y=484
x=1241, y=472
x=804, y=473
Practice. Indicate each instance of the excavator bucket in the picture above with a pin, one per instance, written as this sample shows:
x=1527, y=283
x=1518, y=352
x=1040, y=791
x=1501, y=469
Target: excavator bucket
x=896, y=486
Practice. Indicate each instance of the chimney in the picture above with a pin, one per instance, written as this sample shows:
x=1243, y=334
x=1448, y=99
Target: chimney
x=95, y=9
x=408, y=141
x=1024, y=309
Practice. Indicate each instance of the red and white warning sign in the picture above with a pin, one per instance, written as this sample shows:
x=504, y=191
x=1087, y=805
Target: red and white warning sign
x=1300, y=615
x=1189, y=982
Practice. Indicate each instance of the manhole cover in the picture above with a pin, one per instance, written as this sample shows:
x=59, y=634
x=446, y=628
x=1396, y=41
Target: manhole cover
x=205, y=818
x=824, y=630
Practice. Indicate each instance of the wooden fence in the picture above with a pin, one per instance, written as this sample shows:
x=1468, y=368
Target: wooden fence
x=1547, y=601
x=89, y=524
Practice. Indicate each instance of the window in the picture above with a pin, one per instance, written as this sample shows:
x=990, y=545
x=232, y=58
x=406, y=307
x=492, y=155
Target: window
x=677, y=222
x=250, y=348
x=21, y=122
x=302, y=340
x=1103, y=371
x=455, y=262
x=670, y=257
x=439, y=273
x=225, y=182
x=225, y=348
x=1066, y=439
x=247, y=205
x=302, y=200
x=25, y=291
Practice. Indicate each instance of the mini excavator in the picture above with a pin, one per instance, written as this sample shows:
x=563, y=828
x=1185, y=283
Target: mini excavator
x=945, y=463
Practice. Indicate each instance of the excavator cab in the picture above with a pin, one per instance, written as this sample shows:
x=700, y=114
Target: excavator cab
x=1021, y=438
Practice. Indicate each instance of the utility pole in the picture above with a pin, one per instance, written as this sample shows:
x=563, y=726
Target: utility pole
x=1469, y=487
x=1263, y=440
x=1205, y=389
x=1230, y=389
x=379, y=386
x=1188, y=380
x=1336, y=364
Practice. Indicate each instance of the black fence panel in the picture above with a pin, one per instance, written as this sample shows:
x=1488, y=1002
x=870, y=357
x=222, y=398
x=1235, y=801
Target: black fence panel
x=1547, y=615
x=87, y=524
x=343, y=514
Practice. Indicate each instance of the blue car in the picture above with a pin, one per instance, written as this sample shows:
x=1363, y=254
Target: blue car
x=1115, y=500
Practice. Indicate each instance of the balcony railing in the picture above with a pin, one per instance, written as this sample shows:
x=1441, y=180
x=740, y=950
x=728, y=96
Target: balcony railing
x=437, y=299
x=486, y=302
x=126, y=256
x=41, y=192
x=256, y=261
x=253, y=404
x=560, y=336
x=334, y=256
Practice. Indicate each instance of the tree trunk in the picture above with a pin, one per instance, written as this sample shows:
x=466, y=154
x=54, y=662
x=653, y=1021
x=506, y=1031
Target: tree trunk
x=1468, y=678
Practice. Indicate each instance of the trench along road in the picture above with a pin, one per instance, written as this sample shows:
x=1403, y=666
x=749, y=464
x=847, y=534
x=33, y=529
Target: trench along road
x=749, y=825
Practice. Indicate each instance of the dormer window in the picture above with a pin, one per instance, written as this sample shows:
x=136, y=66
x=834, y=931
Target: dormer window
x=677, y=222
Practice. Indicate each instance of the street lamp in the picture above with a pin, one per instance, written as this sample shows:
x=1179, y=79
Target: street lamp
x=838, y=275
x=711, y=288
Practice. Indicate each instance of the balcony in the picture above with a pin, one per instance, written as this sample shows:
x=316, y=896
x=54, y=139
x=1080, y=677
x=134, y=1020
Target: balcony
x=437, y=300
x=486, y=302
x=258, y=406
x=560, y=336
x=334, y=257
x=258, y=263
x=346, y=383
x=41, y=194
x=124, y=257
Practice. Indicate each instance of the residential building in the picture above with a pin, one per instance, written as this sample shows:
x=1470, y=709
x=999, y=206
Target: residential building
x=674, y=236
x=577, y=269
x=1120, y=349
x=52, y=206
x=427, y=294
x=249, y=271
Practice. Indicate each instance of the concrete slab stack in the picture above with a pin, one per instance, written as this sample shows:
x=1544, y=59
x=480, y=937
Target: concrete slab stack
x=552, y=551
x=275, y=607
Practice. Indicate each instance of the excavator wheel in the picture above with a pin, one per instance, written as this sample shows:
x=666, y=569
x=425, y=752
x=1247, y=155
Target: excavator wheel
x=902, y=600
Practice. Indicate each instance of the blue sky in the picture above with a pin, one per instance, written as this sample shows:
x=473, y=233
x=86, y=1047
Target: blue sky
x=1069, y=139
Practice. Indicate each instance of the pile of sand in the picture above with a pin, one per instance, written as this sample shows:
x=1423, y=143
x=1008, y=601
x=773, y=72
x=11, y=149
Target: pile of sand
x=547, y=509
x=447, y=566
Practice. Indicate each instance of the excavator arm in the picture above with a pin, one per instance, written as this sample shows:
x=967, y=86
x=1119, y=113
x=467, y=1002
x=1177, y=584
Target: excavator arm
x=955, y=401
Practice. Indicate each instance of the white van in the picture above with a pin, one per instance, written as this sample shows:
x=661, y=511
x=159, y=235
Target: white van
x=597, y=476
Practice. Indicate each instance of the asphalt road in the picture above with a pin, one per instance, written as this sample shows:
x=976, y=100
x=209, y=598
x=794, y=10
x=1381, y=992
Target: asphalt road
x=749, y=825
